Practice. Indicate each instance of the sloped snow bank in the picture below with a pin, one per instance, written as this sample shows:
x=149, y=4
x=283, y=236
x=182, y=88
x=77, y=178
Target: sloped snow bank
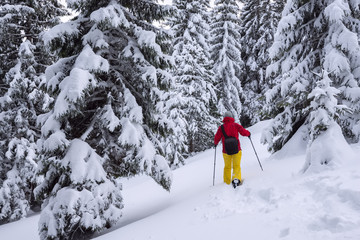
x=279, y=203
x=328, y=150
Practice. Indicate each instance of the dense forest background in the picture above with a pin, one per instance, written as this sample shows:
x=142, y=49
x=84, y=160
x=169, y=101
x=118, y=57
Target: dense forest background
x=135, y=87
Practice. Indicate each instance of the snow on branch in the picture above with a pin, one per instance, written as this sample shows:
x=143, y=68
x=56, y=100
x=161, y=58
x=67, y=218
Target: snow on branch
x=88, y=60
x=337, y=10
x=16, y=8
x=112, y=13
x=61, y=31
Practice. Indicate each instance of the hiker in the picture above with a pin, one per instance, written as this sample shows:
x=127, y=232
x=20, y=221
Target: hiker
x=233, y=158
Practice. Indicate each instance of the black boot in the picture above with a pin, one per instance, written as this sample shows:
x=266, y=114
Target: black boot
x=236, y=182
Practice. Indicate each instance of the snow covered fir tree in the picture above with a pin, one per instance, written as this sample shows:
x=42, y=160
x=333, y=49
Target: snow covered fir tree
x=107, y=120
x=193, y=72
x=22, y=61
x=124, y=93
x=19, y=112
x=315, y=69
x=324, y=111
x=226, y=56
x=257, y=26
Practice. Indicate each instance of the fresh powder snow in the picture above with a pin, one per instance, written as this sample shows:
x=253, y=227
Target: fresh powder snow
x=278, y=203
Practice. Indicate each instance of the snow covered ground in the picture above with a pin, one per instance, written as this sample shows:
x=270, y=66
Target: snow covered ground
x=278, y=203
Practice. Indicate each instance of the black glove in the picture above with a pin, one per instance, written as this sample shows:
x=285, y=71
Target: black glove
x=215, y=145
x=249, y=135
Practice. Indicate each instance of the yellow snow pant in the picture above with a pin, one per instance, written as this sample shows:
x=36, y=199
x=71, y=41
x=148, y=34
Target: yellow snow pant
x=234, y=162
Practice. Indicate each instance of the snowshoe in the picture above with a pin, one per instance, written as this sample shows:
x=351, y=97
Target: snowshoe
x=236, y=182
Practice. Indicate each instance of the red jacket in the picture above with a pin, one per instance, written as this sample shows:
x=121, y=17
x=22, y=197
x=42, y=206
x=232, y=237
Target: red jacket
x=232, y=129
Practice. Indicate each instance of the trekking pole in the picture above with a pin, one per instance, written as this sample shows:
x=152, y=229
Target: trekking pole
x=214, y=167
x=256, y=154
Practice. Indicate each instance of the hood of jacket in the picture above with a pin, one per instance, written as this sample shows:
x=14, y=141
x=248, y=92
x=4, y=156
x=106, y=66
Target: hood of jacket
x=228, y=120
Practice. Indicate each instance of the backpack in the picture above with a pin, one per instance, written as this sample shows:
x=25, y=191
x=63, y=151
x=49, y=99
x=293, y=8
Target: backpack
x=231, y=143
